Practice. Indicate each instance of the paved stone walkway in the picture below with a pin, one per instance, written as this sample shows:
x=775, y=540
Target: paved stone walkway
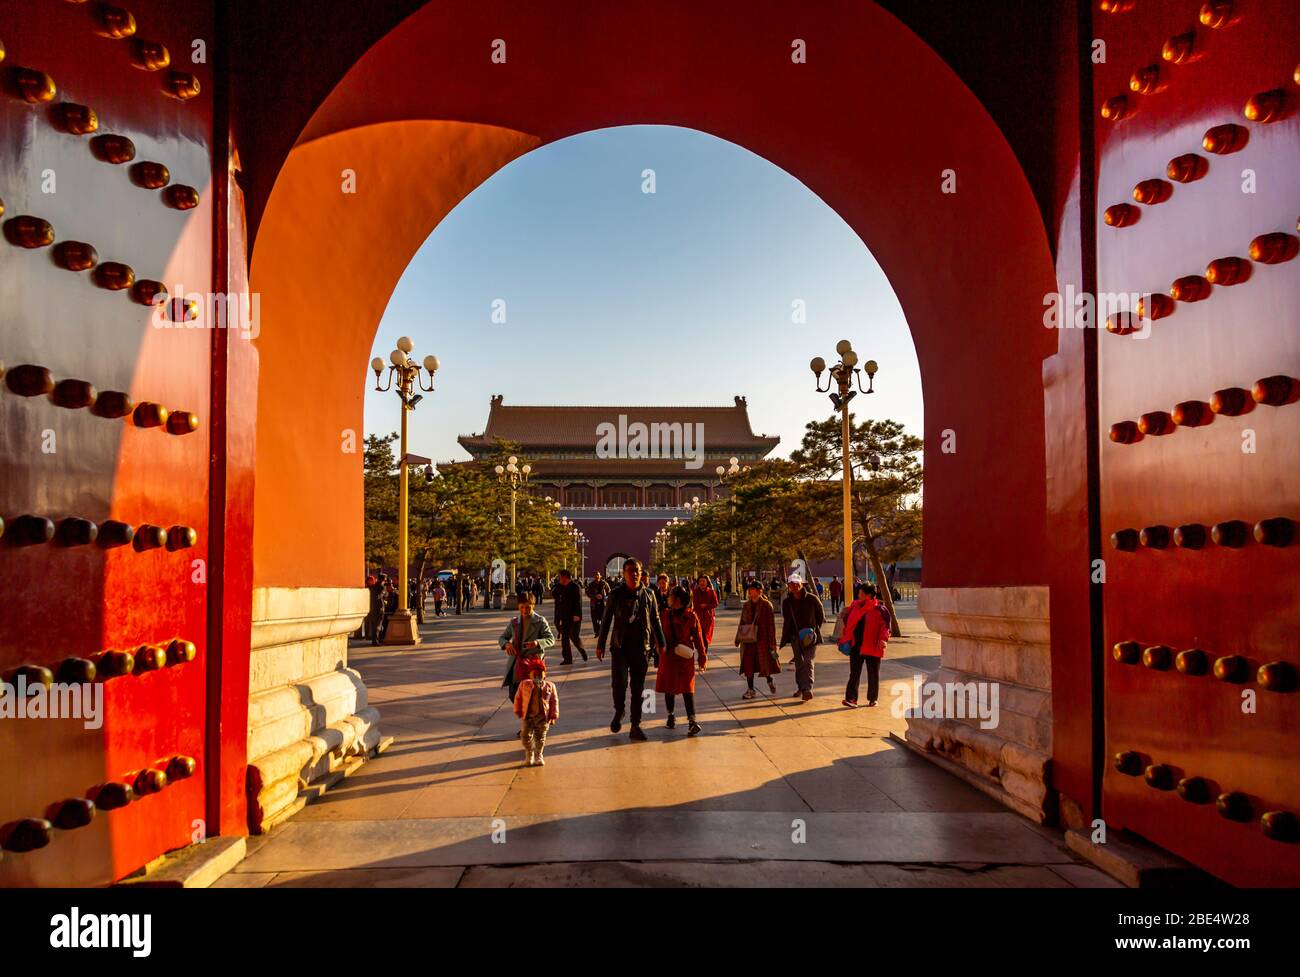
x=773, y=792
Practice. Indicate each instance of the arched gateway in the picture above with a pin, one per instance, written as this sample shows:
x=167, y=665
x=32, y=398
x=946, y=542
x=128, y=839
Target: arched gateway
x=345, y=143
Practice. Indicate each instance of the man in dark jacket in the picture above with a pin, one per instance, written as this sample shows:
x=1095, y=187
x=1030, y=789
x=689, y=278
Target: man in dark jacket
x=800, y=610
x=568, y=615
x=597, y=592
x=632, y=630
x=662, y=584
x=376, y=615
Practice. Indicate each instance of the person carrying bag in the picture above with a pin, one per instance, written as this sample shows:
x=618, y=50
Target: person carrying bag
x=528, y=635
x=756, y=639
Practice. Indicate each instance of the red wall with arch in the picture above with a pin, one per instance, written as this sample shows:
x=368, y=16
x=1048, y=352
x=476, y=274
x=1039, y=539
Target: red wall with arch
x=426, y=115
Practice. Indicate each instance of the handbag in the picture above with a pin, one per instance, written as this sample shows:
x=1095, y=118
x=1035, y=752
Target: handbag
x=747, y=634
x=684, y=651
x=845, y=647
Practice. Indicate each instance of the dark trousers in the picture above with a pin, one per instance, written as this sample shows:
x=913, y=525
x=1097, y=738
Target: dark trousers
x=835, y=605
x=570, y=631
x=597, y=611
x=670, y=700
x=855, y=674
x=625, y=665
x=804, y=666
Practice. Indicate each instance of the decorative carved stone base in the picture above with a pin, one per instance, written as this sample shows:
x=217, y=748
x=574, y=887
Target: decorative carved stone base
x=307, y=713
x=994, y=635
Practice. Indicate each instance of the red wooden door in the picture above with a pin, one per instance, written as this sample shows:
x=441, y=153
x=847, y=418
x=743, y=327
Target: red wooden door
x=105, y=173
x=1197, y=147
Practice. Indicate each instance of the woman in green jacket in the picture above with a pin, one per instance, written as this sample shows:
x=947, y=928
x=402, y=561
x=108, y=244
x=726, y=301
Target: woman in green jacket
x=525, y=636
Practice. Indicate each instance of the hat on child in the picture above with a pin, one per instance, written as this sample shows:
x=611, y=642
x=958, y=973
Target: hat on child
x=794, y=578
x=534, y=662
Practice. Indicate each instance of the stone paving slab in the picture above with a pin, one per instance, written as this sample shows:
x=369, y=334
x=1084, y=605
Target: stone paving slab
x=667, y=835
x=716, y=809
x=683, y=875
x=761, y=874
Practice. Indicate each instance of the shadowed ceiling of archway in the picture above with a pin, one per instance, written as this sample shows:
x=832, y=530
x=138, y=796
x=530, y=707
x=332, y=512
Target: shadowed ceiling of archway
x=1013, y=73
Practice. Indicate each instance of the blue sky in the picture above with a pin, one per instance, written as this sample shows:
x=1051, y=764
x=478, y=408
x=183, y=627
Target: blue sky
x=616, y=296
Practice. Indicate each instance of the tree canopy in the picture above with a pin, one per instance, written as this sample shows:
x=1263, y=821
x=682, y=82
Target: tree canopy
x=460, y=518
x=785, y=510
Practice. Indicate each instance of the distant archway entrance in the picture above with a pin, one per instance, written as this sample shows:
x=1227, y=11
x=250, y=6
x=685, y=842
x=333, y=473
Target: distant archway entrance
x=614, y=565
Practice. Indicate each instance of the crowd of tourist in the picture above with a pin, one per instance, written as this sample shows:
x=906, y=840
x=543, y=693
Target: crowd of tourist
x=666, y=623
x=669, y=625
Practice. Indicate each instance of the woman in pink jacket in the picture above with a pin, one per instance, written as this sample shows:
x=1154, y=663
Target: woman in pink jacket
x=704, y=602
x=537, y=704
x=866, y=629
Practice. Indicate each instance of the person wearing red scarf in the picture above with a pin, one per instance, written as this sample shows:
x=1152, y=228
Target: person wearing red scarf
x=526, y=636
x=866, y=629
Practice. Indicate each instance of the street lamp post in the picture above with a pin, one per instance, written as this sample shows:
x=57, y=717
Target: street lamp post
x=694, y=507
x=725, y=476
x=404, y=375
x=843, y=374
x=514, y=475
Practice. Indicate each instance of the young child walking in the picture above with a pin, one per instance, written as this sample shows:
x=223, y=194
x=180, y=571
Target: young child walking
x=537, y=704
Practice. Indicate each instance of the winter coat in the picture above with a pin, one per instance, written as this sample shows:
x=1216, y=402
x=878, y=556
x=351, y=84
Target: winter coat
x=806, y=612
x=550, y=698
x=568, y=601
x=675, y=675
x=866, y=624
x=703, y=601
x=760, y=656
x=627, y=604
x=539, y=630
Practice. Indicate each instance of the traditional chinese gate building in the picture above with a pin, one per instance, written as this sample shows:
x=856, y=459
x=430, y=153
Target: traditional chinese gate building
x=619, y=498
x=1110, y=535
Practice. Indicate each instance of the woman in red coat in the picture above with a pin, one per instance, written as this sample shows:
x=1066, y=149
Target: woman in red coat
x=757, y=655
x=703, y=602
x=866, y=631
x=676, y=675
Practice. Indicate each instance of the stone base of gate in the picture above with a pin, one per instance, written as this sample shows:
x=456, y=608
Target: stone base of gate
x=993, y=635
x=309, y=722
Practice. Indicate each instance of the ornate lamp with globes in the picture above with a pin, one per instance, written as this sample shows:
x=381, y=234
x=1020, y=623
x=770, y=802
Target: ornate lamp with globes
x=839, y=386
x=404, y=375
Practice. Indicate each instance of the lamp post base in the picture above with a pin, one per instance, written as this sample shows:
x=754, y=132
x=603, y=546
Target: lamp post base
x=401, y=629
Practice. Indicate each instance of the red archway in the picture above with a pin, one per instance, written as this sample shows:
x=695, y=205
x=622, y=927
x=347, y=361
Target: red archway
x=427, y=114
